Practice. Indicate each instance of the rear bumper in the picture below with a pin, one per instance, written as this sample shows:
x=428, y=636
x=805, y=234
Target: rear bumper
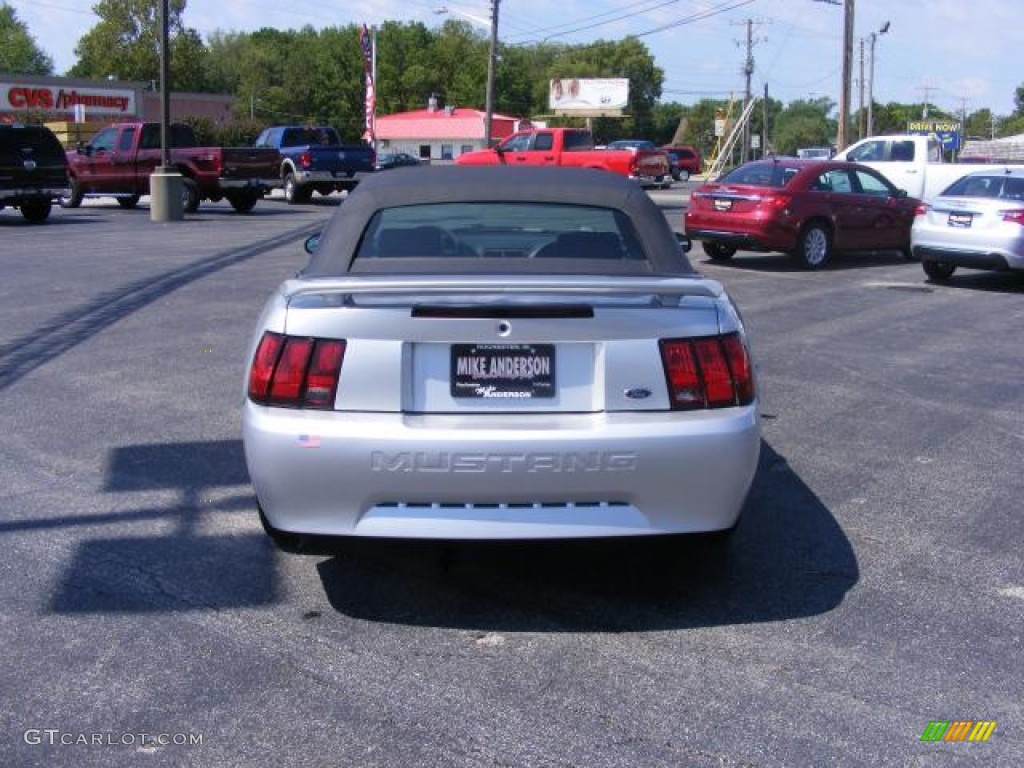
x=539, y=476
x=749, y=241
x=19, y=195
x=651, y=181
x=259, y=185
x=324, y=177
x=999, y=260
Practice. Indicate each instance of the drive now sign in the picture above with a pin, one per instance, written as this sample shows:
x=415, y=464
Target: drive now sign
x=948, y=132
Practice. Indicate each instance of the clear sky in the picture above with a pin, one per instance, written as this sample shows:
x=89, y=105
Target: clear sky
x=959, y=54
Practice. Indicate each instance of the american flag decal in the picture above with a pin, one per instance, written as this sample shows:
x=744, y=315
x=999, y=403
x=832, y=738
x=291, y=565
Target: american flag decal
x=309, y=441
x=366, y=46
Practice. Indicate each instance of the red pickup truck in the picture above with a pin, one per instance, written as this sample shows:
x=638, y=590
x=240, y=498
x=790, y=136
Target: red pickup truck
x=119, y=159
x=573, y=147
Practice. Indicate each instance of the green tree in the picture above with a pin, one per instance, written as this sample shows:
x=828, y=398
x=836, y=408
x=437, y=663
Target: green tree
x=404, y=73
x=804, y=123
x=18, y=50
x=979, y=124
x=125, y=43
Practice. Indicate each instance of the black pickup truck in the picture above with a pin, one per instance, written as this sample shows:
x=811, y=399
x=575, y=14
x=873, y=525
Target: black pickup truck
x=33, y=170
x=313, y=158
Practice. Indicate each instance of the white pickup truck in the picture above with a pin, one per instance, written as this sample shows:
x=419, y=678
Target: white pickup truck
x=913, y=163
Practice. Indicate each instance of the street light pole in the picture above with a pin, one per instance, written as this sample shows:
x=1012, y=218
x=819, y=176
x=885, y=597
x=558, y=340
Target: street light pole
x=871, y=79
x=165, y=183
x=492, y=57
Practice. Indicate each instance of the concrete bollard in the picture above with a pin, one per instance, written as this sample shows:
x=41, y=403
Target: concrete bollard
x=166, y=188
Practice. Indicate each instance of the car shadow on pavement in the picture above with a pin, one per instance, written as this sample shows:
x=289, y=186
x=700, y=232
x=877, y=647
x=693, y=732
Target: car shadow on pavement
x=788, y=558
x=176, y=564
x=986, y=282
x=781, y=262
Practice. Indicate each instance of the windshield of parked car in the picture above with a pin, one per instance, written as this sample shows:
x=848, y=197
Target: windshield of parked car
x=761, y=175
x=499, y=230
x=1004, y=187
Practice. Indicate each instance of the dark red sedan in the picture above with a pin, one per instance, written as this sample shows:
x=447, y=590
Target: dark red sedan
x=806, y=208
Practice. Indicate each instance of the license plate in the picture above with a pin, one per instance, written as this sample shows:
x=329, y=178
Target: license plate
x=962, y=220
x=505, y=371
x=723, y=205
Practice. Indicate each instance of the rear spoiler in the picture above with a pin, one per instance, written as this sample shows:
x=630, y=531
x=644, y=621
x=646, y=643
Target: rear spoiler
x=505, y=285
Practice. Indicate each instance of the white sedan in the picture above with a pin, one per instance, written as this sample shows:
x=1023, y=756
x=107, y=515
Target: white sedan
x=977, y=222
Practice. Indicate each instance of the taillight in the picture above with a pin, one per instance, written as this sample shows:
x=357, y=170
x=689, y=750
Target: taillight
x=708, y=372
x=922, y=209
x=775, y=200
x=1015, y=216
x=305, y=160
x=262, y=368
x=295, y=371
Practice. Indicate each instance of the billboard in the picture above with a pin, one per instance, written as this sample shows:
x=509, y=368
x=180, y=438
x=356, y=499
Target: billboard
x=588, y=96
x=947, y=132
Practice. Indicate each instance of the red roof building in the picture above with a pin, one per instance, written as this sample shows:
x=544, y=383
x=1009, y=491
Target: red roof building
x=441, y=133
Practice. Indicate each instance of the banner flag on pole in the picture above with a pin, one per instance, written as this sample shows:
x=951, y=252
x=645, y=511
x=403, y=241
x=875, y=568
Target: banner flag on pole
x=366, y=45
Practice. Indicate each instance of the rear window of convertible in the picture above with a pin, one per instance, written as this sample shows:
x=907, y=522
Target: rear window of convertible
x=497, y=230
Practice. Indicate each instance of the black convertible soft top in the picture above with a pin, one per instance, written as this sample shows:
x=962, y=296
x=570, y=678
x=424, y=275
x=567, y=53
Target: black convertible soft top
x=446, y=184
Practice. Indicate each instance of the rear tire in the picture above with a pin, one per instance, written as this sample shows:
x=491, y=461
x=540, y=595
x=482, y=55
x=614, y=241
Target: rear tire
x=36, y=211
x=938, y=270
x=73, y=199
x=815, y=247
x=128, y=202
x=293, y=192
x=718, y=251
x=243, y=202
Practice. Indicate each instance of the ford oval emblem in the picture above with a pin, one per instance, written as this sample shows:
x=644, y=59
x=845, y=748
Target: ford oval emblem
x=29, y=165
x=638, y=393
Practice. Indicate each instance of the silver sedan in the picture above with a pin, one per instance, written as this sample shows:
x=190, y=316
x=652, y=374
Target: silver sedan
x=499, y=353
x=977, y=222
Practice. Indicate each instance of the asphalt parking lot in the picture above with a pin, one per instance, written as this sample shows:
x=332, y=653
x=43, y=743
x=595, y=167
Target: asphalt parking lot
x=875, y=584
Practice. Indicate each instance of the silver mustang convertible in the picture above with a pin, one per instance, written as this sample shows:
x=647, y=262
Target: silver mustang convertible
x=499, y=353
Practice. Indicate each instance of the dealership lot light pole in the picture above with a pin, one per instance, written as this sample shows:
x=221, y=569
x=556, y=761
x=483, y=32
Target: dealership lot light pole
x=492, y=57
x=165, y=183
x=871, y=79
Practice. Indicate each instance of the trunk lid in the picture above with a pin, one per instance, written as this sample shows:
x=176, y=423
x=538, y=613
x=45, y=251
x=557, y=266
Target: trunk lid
x=462, y=346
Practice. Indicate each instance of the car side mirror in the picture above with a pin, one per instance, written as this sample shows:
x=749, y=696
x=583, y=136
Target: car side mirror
x=685, y=244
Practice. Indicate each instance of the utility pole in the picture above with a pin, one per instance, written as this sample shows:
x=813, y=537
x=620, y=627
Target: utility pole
x=860, y=107
x=491, y=57
x=764, y=123
x=927, y=89
x=748, y=71
x=844, y=101
x=844, y=94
